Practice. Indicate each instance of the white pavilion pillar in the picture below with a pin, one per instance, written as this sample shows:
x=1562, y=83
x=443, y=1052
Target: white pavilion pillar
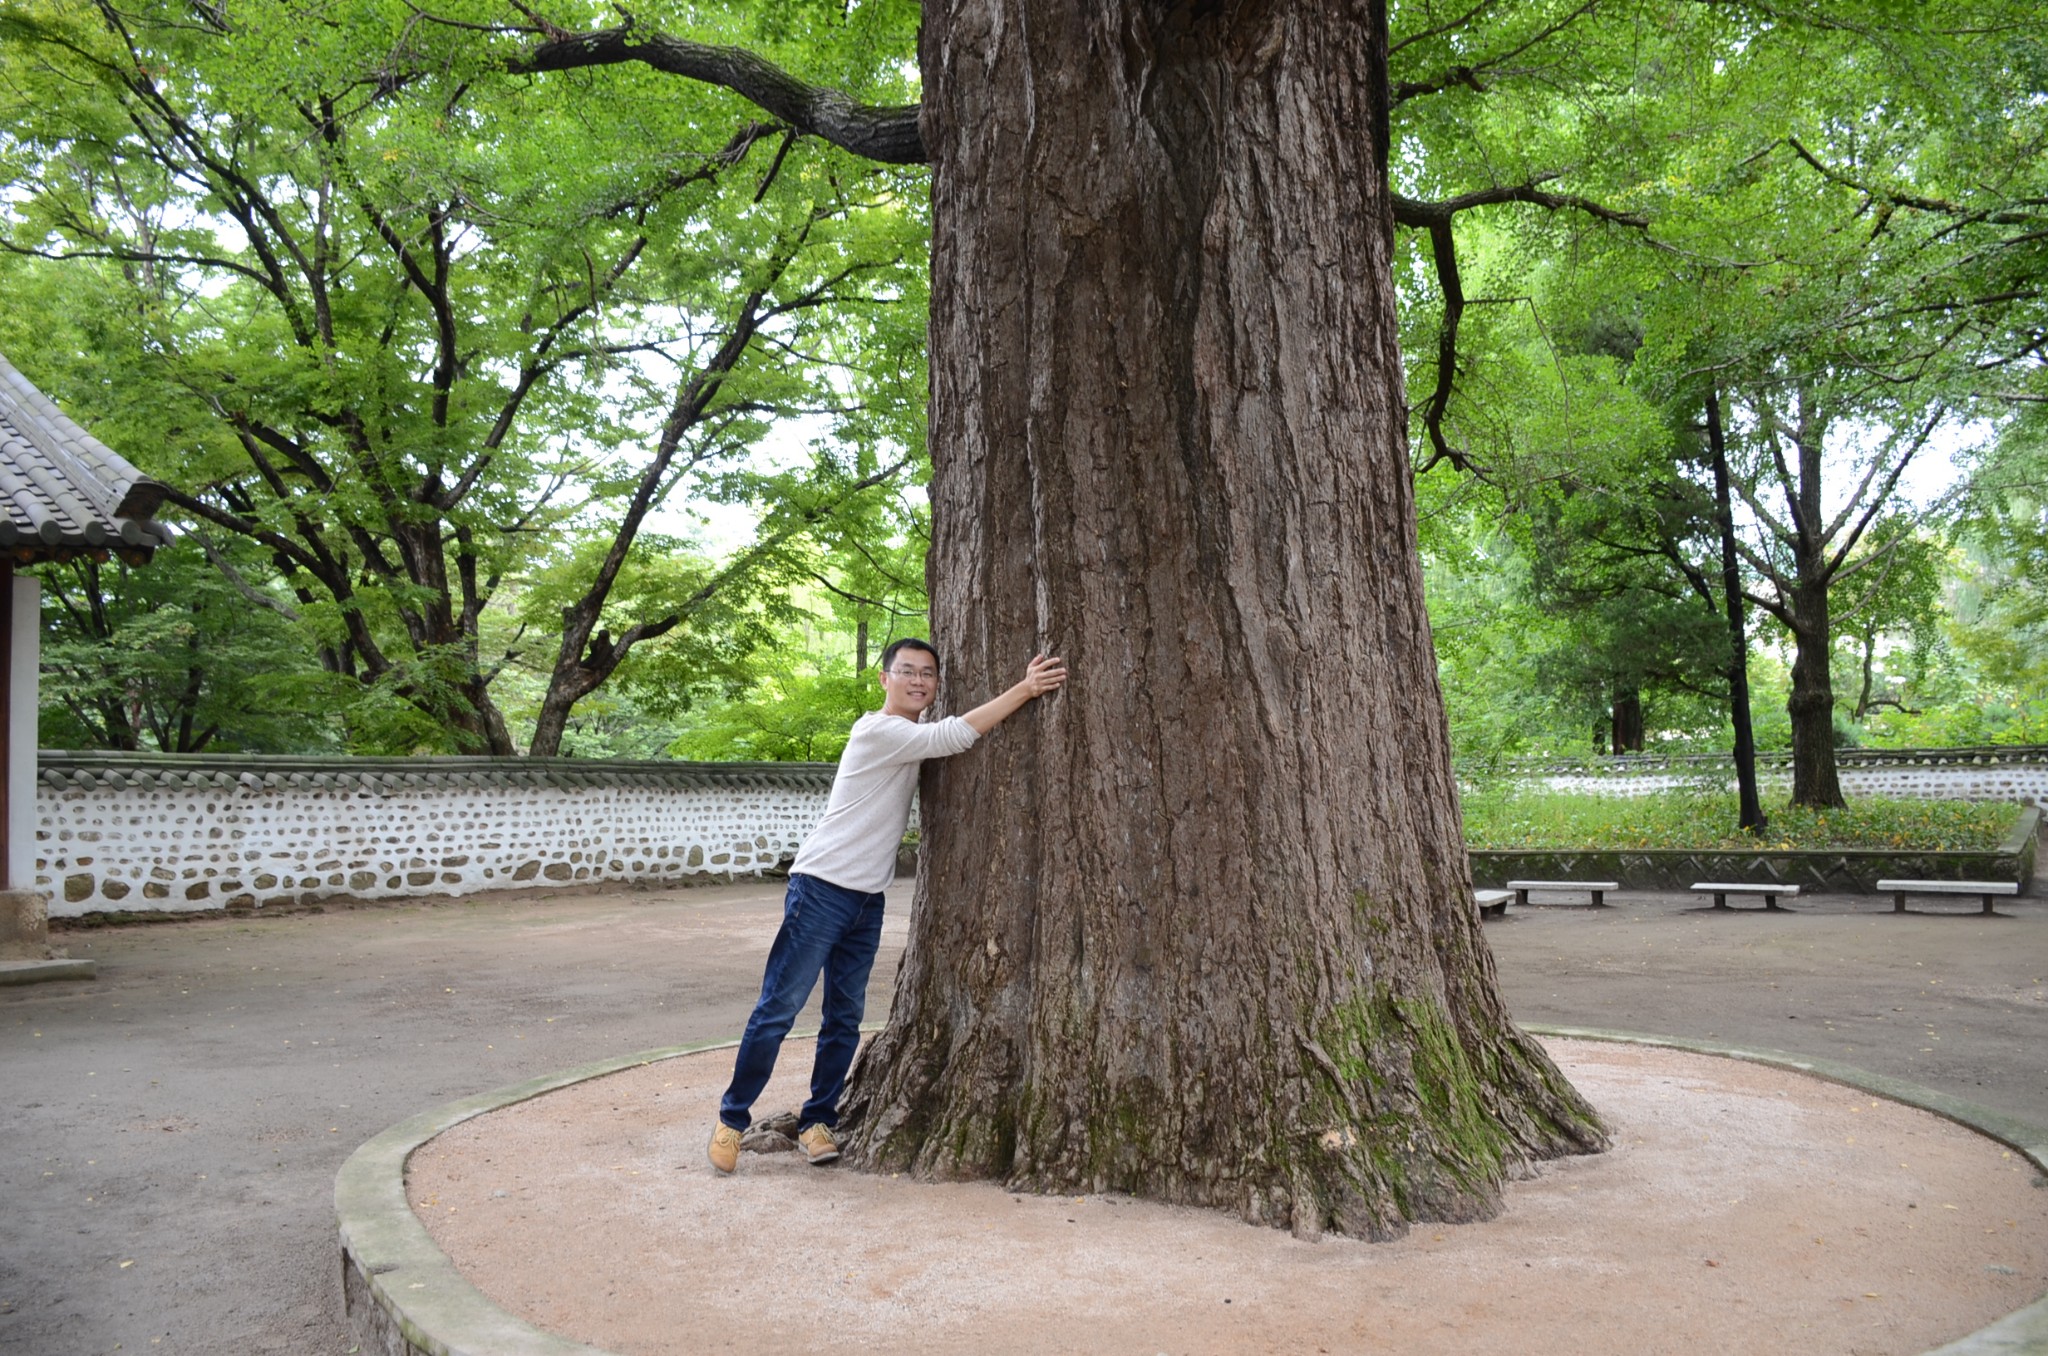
x=24, y=910
x=24, y=662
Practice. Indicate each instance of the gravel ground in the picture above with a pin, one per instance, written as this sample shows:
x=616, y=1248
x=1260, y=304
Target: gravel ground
x=1739, y=1210
x=177, y=1124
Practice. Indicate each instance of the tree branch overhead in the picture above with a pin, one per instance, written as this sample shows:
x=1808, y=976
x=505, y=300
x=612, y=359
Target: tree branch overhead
x=888, y=134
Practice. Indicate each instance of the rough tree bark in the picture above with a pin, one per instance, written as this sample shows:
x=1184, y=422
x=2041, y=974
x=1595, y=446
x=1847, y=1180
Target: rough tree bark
x=1200, y=927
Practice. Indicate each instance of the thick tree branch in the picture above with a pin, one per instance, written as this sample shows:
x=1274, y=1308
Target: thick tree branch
x=1421, y=214
x=1444, y=250
x=1775, y=430
x=886, y=133
x=1437, y=218
x=242, y=585
x=1891, y=198
x=1774, y=606
x=313, y=560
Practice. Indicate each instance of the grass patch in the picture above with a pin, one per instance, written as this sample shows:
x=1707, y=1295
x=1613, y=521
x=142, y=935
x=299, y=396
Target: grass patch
x=1506, y=818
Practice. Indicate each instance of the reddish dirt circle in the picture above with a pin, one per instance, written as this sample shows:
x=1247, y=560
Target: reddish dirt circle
x=1742, y=1208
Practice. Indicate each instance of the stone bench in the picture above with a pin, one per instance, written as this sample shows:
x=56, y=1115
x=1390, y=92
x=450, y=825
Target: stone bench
x=1986, y=890
x=1492, y=903
x=1595, y=888
x=1720, y=890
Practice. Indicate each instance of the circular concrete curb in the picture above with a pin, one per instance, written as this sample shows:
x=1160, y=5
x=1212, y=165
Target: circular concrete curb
x=401, y=1294
x=38, y=971
x=404, y=1297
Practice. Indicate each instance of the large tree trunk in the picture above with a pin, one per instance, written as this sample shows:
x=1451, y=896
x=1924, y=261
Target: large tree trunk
x=1200, y=927
x=1812, y=703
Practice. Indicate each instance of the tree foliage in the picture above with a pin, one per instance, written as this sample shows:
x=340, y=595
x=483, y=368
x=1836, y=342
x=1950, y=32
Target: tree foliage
x=405, y=326
x=446, y=308
x=1826, y=213
x=181, y=655
x=796, y=698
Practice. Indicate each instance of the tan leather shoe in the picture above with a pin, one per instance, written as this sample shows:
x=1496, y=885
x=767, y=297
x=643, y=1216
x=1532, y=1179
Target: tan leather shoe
x=818, y=1144
x=725, y=1148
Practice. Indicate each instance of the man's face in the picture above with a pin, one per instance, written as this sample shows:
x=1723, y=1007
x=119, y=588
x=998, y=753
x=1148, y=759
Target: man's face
x=911, y=682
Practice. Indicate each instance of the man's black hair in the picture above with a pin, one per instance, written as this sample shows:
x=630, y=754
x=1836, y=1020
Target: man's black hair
x=909, y=643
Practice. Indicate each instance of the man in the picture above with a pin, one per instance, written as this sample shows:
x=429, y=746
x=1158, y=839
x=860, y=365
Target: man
x=832, y=914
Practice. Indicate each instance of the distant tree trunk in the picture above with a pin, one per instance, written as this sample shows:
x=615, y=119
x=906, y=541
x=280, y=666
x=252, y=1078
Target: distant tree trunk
x=1812, y=703
x=573, y=680
x=1200, y=927
x=1867, y=694
x=478, y=725
x=1628, y=720
x=1816, y=548
x=860, y=647
x=1750, y=810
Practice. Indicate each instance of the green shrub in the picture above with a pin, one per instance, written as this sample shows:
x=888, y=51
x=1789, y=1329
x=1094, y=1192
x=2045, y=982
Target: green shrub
x=1506, y=817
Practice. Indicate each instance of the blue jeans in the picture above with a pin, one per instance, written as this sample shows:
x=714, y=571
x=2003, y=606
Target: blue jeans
x=824, y=928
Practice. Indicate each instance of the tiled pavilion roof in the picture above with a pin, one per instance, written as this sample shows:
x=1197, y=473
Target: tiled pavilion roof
x=63, y=492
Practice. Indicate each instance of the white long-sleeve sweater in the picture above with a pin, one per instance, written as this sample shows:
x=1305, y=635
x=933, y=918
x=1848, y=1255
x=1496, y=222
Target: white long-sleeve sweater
x=854, y=845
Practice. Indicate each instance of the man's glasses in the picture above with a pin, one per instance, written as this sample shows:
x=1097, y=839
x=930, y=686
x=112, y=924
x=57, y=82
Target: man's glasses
x=926, y=674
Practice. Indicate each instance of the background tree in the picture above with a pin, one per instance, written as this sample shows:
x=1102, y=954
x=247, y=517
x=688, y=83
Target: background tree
x=173, y=658
x=1765, y=267
x=1836, y=367
x=1892, y=620
x=2000, y=608
x=858, y=587
x=405, y=325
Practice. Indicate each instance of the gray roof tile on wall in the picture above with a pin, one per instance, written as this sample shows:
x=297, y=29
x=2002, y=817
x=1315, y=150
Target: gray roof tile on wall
x=87, y=771
x=62, y=490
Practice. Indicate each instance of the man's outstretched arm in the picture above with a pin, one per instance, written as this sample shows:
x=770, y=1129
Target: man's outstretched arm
x=1044, y=674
